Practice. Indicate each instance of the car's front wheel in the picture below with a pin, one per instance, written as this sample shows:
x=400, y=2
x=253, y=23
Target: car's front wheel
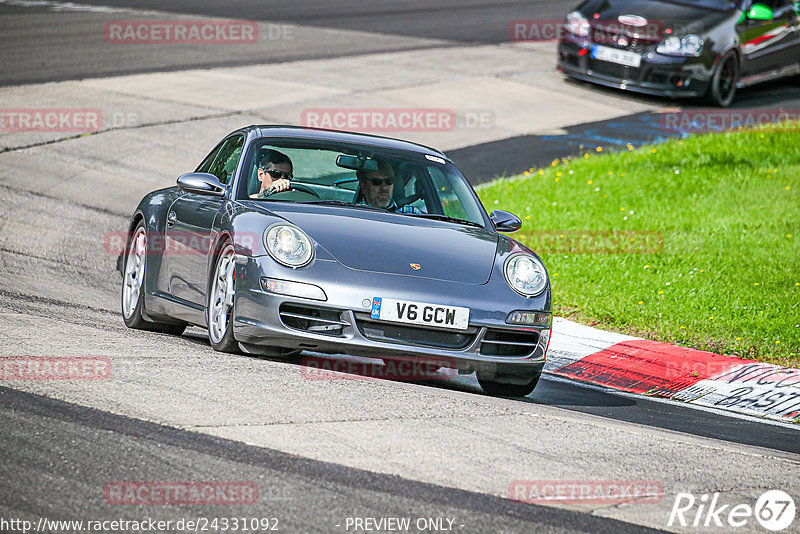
x=219, y=305
x=722, y=90
x=503, y=389
x=133, y=273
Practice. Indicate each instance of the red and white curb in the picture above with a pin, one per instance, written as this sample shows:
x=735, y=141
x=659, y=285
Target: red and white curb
x=641, y=366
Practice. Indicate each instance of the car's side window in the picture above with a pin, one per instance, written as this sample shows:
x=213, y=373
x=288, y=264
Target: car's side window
x=780, y=7
x=228, y=157
x=206, y=165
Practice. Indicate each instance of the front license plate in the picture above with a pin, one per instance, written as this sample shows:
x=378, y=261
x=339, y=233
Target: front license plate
x=421, y=313
x=621, y=57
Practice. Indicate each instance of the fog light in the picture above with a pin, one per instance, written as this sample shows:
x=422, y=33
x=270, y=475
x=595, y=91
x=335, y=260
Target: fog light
x=293, y=289
x=529, y=318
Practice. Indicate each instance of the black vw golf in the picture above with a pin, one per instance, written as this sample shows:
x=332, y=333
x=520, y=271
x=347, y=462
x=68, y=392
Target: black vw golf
x=680, y=48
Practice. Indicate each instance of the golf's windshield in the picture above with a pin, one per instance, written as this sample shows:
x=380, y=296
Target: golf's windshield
x=720, y=5
x=360, y=176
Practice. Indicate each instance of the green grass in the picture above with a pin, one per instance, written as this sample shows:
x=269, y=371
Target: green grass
x=715, y=259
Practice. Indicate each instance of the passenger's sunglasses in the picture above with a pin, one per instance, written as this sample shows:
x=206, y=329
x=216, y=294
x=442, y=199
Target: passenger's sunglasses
x=276, y=174
x=377, y=182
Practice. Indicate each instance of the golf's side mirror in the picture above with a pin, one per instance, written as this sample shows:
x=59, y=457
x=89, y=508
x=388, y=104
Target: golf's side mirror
x=760, y=12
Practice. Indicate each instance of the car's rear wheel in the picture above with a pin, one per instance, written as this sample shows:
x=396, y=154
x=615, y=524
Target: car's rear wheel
x=502, y=389
x=133, y=273
x=219, y=305
x=722, y=90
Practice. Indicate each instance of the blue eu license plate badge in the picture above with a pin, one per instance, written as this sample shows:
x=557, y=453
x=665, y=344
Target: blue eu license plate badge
x=376, y=308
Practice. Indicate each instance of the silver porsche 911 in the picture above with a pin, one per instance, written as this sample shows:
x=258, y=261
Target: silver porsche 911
x=287, y=239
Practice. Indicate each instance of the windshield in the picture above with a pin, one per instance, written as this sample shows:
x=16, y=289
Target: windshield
x=361, y=176
x=720, y=5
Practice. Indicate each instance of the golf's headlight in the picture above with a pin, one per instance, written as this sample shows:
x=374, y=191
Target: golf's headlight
x=288, y=245
x=577, y=24
x=688, y=45
x=526, y=274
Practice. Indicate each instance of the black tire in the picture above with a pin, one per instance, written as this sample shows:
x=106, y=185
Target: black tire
x=133, y=314
x=221, y=338
x=501, y=389
x=722, y=89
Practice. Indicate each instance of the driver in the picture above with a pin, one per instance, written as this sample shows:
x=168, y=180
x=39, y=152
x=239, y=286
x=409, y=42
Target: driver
x=378, y=188
x=274, y=173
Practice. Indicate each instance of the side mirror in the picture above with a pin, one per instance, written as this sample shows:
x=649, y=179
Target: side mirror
x=505, y=221
x=760, y=12
x=201, y=183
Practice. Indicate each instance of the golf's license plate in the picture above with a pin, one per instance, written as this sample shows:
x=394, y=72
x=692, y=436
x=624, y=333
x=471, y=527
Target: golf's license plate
x=421, y=313
x=621, y=57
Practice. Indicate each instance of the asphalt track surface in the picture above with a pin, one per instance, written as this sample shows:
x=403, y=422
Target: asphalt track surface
x=58, y=455
x=74, y=48
x=303, y=495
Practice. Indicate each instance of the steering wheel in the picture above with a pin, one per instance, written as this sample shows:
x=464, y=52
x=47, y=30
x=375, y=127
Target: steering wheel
x=294, y=187
x=409, y=199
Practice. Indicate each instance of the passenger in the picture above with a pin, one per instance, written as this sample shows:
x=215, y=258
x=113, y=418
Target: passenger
x=274, y=173
x=378, y=189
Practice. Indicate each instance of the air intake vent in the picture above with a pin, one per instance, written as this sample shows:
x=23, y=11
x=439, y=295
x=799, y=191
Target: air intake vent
x=412, y=335
x=313, y=320
x=509, y=343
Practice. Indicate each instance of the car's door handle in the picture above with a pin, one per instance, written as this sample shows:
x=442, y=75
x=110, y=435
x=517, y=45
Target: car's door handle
x=171, y=218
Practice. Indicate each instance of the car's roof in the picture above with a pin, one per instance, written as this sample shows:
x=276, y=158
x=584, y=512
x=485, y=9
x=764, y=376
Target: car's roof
x=336, y=135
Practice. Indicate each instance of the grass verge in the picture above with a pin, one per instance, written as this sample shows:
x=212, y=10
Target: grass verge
x=692, y=242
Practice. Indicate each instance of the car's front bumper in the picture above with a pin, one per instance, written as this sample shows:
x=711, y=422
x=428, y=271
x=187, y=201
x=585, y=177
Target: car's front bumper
x=674, y=77
x=271, y=320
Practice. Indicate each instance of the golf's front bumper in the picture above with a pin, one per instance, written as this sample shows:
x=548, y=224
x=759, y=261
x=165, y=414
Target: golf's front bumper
x=660, y=75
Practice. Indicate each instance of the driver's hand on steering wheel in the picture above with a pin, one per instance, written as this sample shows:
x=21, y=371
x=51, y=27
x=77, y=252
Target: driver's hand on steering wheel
x=281, y=185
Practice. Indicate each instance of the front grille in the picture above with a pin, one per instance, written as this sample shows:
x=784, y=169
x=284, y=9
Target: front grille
x=413, y=335
x=623, y=39
x=509, y=343
x=321, y=321
x=613, y=70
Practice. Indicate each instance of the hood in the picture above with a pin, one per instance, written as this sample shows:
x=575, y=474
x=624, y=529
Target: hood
x=379, y=242
x=680, y=17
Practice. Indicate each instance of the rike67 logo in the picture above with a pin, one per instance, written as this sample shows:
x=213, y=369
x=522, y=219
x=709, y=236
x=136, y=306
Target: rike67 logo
x=774, y=510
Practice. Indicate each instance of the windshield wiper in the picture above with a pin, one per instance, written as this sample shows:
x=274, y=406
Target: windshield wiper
x=439, y=217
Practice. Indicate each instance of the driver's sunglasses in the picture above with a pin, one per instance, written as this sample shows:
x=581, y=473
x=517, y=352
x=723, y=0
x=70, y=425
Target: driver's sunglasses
x=377, y=182
x=277, y=175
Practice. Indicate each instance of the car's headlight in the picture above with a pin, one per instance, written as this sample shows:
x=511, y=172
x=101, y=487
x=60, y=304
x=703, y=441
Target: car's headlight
x=577, y=24
x=288, y=245
x=688, y=45
x=526, y=274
